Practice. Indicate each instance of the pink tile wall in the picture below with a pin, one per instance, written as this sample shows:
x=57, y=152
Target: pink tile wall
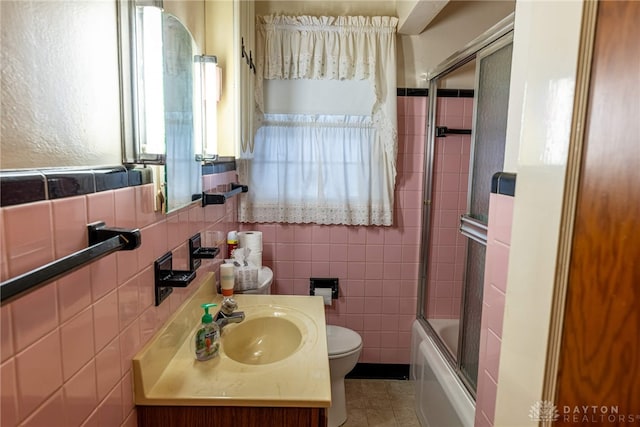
x=377, y=266
x=449, y=193
x=495, y=281
x=66, y=347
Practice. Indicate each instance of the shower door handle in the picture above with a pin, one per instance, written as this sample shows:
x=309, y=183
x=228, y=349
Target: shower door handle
x=473, y=229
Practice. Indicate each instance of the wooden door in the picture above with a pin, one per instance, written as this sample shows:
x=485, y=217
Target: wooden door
x=598, y=380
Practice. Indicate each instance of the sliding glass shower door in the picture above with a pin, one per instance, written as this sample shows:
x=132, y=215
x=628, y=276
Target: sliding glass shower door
x=492, y=65
x=492, y=98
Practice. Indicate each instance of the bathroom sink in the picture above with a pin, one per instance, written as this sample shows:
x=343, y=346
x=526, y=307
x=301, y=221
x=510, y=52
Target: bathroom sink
x=261, y=340
x=275, y=358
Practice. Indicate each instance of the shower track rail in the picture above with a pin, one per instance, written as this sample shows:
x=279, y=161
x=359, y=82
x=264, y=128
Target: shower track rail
x=103, y=241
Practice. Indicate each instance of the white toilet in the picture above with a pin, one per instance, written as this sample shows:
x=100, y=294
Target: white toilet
x=265, y=279
x=344, y=346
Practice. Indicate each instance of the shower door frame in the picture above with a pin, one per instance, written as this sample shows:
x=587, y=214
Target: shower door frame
x=493, y=39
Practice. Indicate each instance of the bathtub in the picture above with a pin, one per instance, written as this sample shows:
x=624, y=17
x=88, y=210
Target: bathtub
x=441, y=398
x=448, y=329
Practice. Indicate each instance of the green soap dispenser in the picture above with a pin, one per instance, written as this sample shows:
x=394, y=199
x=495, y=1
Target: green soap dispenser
x=207, y=339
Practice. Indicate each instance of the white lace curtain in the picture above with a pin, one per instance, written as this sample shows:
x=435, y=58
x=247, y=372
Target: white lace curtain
x=324, y=168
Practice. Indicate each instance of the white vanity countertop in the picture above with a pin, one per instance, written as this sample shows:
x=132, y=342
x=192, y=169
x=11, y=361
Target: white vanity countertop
x=167, y=373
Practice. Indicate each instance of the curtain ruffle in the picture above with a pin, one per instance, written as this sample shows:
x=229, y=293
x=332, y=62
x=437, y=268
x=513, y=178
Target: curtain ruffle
x=325, y=47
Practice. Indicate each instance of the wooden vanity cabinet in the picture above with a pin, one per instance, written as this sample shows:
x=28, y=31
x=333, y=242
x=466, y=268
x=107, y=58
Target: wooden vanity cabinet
x=230, y=416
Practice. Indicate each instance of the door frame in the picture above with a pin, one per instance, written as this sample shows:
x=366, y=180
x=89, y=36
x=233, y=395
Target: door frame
x=570, y=200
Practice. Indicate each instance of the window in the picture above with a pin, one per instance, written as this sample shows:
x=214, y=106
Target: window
x=326, y=142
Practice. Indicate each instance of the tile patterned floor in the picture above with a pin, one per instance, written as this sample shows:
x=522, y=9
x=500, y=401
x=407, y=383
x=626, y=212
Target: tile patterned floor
x=380, y=403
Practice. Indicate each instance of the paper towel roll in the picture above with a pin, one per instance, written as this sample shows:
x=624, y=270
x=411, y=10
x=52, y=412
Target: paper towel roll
x=325, y=293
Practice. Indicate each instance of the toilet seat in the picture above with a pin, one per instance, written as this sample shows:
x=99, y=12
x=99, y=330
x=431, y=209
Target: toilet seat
x=342, y=341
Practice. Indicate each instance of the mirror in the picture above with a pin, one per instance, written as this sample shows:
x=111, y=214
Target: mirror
x=68, y=89
x=182, y=115
x=167, y=104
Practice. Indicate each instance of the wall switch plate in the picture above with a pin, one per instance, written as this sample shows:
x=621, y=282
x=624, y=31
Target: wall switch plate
x=324, y=282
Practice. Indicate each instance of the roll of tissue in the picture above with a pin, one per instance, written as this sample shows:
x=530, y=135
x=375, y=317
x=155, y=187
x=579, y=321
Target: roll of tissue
x=251, y=240
x=325, y=293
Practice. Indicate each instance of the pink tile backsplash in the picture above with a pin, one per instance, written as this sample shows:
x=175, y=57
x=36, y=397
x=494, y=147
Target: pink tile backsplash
x=127, y=266
x=105, y=320
x=50, y=414
x=28, y=234
x=80, y=396
x=33, y=316
x=125, y=207
x=4, y=264
x=38, y=372
x=103, y=280
x=101, y=207
x=74, y=292
x=6, y=333
x=69, y=225
x=76, y=339
x=144, y=207
x=495, y=281
x=66, y=347
x=108, y=371
x=377, y=266
x=113, y=314
x=128, y=304
x=9, y=393
x=110, y=409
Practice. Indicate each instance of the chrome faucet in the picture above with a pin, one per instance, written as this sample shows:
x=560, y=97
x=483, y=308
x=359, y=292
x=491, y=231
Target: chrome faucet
x=227, y=313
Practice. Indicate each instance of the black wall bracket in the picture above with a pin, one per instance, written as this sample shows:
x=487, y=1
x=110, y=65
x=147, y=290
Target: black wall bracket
x=220, y=198
x=166, y=278
x=443, y=131
x=197, y=252
x=103, y=241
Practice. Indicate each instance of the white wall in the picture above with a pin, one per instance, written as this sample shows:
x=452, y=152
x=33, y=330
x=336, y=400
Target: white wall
x=219, y=18
x=458, y=24
x=538, y=130
x=60, y=98
x=191, y=14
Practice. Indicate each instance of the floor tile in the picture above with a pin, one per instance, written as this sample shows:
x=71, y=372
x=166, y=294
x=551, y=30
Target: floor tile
x=380, y=403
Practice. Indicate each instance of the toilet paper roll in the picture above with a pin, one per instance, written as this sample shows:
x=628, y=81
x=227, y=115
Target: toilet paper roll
x=251, y=240
x=255, y=258
x=325, y=293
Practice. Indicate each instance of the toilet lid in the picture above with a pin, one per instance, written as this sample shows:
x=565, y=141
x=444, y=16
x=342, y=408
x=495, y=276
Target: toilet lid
x=342, y=340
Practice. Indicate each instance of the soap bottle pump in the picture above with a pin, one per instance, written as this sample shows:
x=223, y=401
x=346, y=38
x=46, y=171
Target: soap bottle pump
x=207, y=339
